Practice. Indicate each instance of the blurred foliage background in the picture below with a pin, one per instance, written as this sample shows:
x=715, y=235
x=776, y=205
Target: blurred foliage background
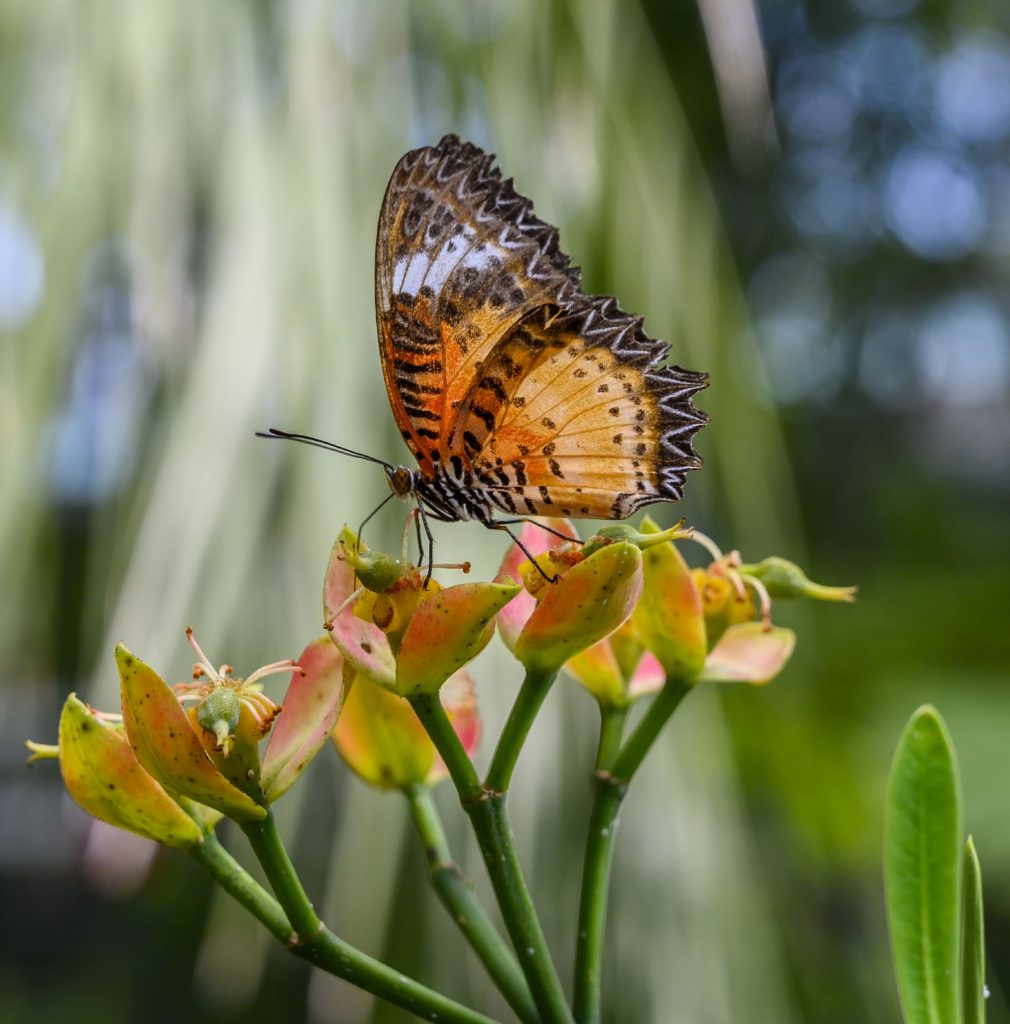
x=810, y=200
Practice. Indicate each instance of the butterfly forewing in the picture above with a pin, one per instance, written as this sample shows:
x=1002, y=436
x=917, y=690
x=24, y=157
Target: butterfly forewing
x=508, y=383
x=460, y=259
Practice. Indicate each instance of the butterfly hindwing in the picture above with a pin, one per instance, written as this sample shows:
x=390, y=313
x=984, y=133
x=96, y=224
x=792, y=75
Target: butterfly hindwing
x=590, y=427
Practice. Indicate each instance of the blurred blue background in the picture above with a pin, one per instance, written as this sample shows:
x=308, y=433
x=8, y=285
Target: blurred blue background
x=809, y=200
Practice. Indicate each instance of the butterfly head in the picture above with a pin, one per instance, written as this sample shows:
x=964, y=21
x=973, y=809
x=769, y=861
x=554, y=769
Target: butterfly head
x=402, y=481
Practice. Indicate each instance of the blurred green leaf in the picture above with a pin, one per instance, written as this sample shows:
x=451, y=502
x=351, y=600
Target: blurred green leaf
x=972, y=941
x=922, y=854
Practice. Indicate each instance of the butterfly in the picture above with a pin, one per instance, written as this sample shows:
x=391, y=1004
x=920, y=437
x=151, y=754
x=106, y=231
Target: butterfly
x=516, y=392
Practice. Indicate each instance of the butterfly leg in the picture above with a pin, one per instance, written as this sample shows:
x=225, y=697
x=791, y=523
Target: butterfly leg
x=420, y=539
x=364, y=523
x=503, y=525
x=422, y=517
x=543, y=526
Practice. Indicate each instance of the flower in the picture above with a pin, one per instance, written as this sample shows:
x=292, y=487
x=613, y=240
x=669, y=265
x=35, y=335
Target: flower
x=169, y=774
x=575, y=594
x=210, y=754
x=402, y=633
x=697, y=625
x=382, y=740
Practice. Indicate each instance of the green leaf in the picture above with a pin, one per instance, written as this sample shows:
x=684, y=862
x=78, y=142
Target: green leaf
x=972, y=941
x=922, y=867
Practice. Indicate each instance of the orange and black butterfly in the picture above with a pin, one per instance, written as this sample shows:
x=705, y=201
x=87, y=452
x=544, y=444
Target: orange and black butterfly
x=516, y=392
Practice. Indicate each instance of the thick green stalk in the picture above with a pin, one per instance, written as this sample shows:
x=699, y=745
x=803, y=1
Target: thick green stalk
x=486, y=809
x=611, y=733
x=639, y=743
x=494, y=836
x=273, y=857
x=607, y=796
x=459, y=899
x=239, y=884
x=615, y=767
x=429, y=710
x=322, y=947
x=531, y=695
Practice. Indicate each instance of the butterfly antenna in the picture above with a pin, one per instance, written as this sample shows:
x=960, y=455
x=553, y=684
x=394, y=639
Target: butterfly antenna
x=318, y=442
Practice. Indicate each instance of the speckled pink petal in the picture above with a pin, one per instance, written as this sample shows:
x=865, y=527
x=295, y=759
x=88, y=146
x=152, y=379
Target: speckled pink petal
x=514, y=615
x=103, y=775
x=748, y=653
x=366, y=648
x=339, y=583
x=449, y=629
x=310, y=709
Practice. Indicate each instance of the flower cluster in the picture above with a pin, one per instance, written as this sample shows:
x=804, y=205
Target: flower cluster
x=664, y=620
x=179, y=757
x=622, y=612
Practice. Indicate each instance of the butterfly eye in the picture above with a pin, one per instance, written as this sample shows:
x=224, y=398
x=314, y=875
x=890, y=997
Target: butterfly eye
x=401, y=481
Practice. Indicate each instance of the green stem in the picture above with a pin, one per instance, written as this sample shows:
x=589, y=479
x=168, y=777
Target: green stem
x=324, y=949
x=639, y=743
x=459, y=899
x=615, y=767
x=607, y=796
x=486, y=809
x=611, y=733
x=429, y=710
x=494, y=836
x=531, y=695
x=270, y=852
x=238, y=883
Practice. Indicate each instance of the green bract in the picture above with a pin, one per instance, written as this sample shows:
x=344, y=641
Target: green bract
x=448, y=630
x=589, y=602
x=669, y=618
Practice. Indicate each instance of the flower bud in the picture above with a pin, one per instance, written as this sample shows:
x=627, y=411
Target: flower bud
x=103, y=775
x=784, y=579
x=375, y=570
x=624, y=532
x=218, y=713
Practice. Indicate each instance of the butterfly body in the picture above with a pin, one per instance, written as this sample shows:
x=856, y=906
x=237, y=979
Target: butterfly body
x=515, y=391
